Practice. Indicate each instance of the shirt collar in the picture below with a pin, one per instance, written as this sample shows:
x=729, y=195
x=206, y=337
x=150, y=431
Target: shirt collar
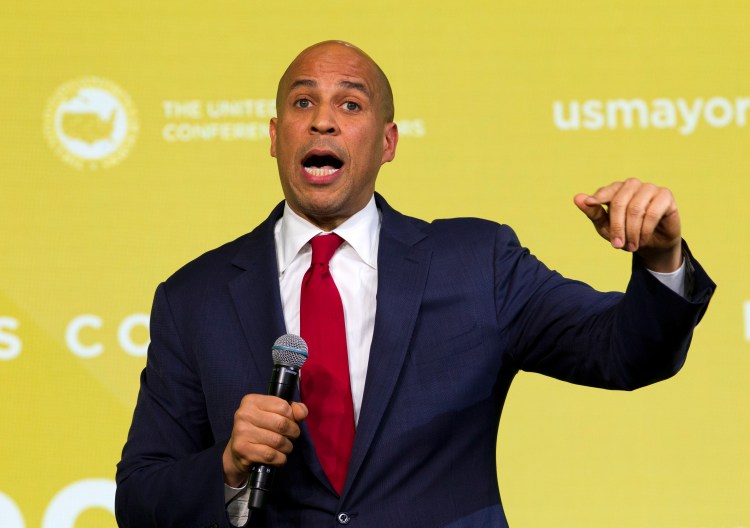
x=360, y=231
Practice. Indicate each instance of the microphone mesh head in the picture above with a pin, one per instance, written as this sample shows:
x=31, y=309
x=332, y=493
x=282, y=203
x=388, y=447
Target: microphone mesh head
x=289, y=350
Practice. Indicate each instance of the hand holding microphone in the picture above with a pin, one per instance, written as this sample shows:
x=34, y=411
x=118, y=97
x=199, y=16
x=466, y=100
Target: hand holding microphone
x=265, y=425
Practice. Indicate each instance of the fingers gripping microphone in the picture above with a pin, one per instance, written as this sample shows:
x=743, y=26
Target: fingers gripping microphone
x=289, y=354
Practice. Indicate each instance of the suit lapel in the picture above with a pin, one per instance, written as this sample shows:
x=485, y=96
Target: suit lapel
x=256, y=296
x=257, y=300
x=402, y=274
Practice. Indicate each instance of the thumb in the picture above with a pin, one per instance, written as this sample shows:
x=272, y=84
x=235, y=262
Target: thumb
x=299, y=410
x=594, y=210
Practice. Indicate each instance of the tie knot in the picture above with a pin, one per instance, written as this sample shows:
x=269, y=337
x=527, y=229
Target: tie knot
x=324, y=246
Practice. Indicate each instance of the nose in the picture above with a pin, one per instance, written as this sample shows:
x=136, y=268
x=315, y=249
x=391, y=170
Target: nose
x=324, y=121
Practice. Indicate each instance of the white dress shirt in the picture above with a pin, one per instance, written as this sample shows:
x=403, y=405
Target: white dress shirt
x=354, y=268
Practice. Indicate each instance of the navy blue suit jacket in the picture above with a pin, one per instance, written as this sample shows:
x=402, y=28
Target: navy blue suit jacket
x=461, y=307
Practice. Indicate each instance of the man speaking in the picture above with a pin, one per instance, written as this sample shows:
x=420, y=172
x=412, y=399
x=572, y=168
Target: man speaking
x=415, y=331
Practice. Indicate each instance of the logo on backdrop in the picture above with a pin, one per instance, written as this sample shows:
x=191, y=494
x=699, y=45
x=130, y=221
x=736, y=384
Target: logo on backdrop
x=682, y=115
x=91, y=123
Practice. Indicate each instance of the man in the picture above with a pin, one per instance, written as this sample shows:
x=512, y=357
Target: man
x=439, y=318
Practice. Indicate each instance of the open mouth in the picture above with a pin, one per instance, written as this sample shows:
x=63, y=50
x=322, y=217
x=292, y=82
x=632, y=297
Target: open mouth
x=321, y=164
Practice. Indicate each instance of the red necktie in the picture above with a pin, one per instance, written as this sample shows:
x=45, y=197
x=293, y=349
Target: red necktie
x=325, y=379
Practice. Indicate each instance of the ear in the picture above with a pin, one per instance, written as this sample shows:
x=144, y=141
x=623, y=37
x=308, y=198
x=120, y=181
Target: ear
x=390, y=140
x=272, y=133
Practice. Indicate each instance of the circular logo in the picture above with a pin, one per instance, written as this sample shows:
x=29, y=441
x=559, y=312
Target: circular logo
x=91, y=123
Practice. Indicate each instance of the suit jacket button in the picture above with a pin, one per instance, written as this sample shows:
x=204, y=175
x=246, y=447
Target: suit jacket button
x=343, y=518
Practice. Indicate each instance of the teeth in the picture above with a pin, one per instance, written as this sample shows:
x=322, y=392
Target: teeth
x=320, y=171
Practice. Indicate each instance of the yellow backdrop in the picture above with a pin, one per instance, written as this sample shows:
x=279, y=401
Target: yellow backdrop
x=133, y=138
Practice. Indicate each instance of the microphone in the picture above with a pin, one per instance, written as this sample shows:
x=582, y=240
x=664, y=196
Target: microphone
x=289, y=354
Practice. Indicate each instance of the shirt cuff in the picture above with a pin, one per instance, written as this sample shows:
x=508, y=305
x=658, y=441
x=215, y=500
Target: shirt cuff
x=236, y=504
x=230, y=492
x=674, y=280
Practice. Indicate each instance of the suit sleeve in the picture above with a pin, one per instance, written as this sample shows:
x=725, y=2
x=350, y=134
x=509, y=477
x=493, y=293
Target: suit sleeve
x=566, y=329
x=170, y=474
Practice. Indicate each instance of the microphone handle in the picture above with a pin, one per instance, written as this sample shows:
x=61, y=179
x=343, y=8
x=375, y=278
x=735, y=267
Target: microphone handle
x=283, y=384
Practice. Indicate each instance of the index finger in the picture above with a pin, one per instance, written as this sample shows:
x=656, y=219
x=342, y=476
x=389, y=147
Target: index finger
x=605, y=194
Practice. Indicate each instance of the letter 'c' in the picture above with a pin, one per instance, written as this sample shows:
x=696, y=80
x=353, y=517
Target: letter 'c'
x=74, y=328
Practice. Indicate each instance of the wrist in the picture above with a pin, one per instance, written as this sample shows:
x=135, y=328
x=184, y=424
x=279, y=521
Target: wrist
x=233, y=476
x=663, y=260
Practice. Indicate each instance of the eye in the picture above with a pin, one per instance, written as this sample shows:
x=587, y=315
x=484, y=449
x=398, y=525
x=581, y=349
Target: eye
x=351, y=106
x=302, y=103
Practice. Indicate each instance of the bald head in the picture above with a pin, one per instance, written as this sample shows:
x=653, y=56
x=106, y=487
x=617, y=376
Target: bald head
x=330, y=50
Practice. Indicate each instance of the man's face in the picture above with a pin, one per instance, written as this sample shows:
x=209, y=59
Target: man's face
x=331, y=135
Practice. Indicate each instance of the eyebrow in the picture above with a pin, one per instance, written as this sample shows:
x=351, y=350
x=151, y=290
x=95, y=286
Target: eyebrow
x=355, y=86
x=310, y=83
x=303, y=82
